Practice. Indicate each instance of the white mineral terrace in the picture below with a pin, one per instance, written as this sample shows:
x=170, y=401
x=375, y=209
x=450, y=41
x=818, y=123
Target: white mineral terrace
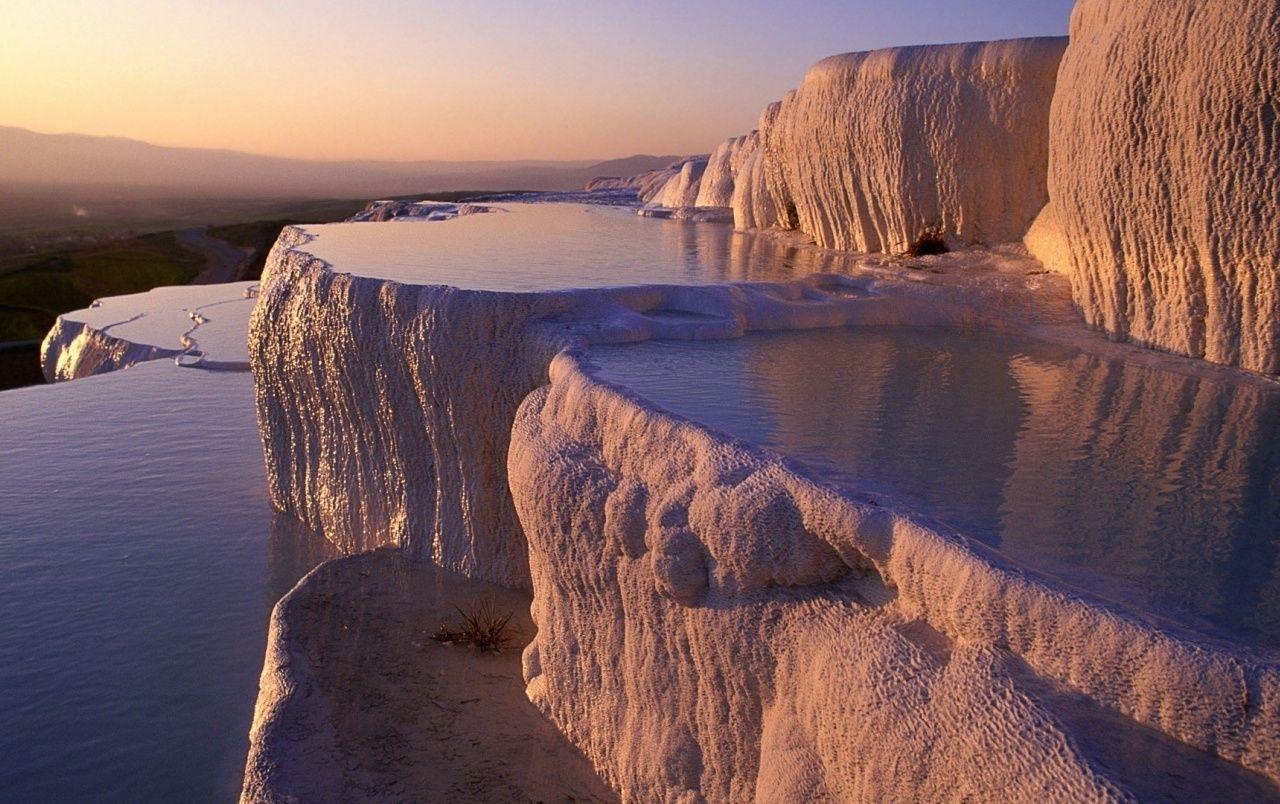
x=759, y=632
x=195, y=325
x=710, y=620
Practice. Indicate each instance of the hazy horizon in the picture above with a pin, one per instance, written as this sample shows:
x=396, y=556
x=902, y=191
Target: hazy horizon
x=402, y=81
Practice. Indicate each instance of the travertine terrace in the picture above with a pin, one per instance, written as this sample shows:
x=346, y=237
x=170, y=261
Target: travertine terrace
x=1163, y=176
x=714, y=623
x=873, y=149
x=713, y=571
x=836, y=638
x=196, y=326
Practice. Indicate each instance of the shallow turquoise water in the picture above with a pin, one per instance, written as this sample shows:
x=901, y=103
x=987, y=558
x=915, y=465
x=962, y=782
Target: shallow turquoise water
x=139, y=569
x=1156, y=490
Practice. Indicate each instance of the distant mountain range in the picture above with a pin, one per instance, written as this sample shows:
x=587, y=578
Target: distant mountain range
x=31, y=158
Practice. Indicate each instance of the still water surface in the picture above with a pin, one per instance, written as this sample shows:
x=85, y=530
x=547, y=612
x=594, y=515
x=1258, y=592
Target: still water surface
x=528, y=247
x=139, y=567
x=1158, y=490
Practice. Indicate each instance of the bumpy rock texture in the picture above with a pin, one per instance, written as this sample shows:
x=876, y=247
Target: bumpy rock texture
x=873, y=149
x=1165, y=175
x=201, y=326
x=723, y=168
x=713, y=624
x=710, y=623
x=386, y=408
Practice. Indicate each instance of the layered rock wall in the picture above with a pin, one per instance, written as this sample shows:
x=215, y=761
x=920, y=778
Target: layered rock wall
x=386, y=408
x=874, y=149
x=726, y=163
x=1164, y=175
x=711, y=623
x=380, y=402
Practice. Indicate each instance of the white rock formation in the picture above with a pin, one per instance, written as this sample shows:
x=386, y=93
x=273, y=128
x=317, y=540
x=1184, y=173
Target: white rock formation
x=713, y=624
x=681, y=190
x=723, y=167
x=873, y=149
x=752, y=203
x=197, y=325
x=381, y=211
x=699, y=188
x=1163, y=175
x=703, y=188
x=391, y=426
x=648, y=185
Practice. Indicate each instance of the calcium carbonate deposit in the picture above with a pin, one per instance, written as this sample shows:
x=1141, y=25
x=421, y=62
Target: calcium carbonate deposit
x=1163, y=175
x=197, y=325
x=714, y=623
x=874, y=149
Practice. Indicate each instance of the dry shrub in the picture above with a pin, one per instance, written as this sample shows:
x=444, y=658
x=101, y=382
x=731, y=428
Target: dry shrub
x=484, y=626
x=930, y=241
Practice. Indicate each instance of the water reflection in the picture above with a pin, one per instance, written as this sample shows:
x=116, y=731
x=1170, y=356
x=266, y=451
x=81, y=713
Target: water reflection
x=547, y=246
x=293, y=550
x=1156, y=488
x=141, y=564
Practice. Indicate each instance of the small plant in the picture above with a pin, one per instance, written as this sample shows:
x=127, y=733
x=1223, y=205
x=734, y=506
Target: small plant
x=484, y=627
x=931, y=241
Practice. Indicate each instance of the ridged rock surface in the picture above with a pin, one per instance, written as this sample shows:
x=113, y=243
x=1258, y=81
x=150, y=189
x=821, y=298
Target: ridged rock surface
x=368, y=437
x=713, y=624
x=710, y=622
x=1165, y=175
x=726, y=161
x=873, y=149
x=759, y=190
x=386, y=408
x=681, y=190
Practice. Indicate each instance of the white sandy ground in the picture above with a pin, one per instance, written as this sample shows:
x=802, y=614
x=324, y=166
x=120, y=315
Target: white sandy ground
x=196, y=325
x=388, y=713
x=713, y=624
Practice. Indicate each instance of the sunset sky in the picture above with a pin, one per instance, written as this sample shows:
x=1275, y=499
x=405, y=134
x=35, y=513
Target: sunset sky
x=447, y=80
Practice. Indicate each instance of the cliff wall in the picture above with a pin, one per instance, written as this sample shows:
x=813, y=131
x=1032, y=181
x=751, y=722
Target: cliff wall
x=1164, y=175
x=874, y=149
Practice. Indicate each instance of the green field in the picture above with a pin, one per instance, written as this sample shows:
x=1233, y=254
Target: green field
x=34, y=293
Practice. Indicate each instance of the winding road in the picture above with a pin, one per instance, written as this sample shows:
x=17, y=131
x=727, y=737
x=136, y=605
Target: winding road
x=224, y=262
